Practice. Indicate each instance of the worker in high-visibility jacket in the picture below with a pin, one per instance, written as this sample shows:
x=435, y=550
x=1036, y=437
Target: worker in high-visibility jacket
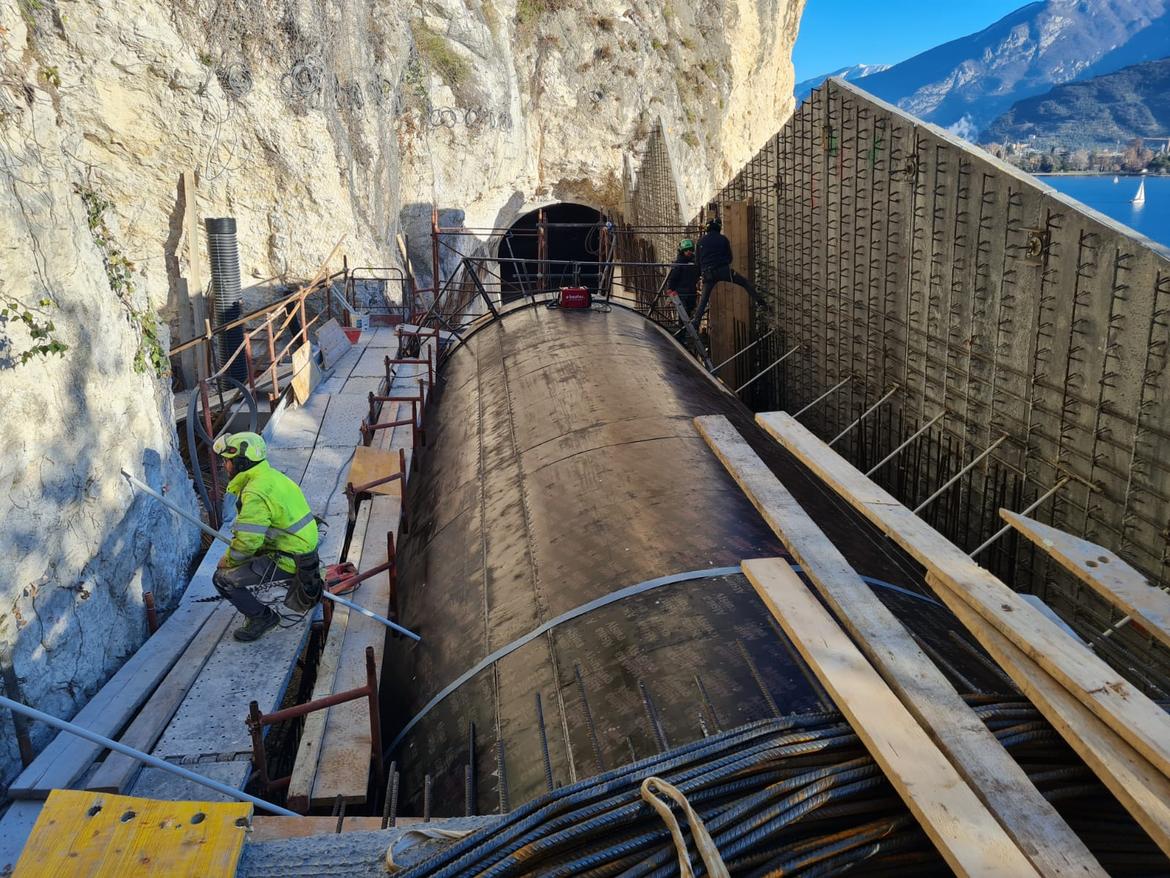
x=274, y=537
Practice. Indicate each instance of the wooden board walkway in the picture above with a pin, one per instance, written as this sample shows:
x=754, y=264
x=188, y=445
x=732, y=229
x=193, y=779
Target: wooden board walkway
x=184, y=694
x=333, y=754
x=1035, y=826
x=961, y=828
x=320, y=437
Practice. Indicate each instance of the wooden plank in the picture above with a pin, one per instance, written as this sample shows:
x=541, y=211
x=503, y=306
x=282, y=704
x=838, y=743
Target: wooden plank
x=1141, y=789
x=118, y=771
x=1004, y=787
x=340, y=736
x=961, y=828
x=99, y=834
x=305, y=374
x=370, y=464
x=67, y=756
x=729, y=314
x=309, y=747
x=1103, y=571
x=333, y=341
x=1099, y=687
x=344, y=763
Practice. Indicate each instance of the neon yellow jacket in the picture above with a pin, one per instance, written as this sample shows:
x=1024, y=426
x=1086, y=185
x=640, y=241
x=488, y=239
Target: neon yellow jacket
x=274, y=518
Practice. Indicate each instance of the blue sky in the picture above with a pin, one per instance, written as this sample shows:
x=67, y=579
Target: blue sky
x=839, y=33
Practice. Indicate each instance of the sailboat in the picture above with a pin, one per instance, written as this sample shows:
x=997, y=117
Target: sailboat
x=1116, y=179
x=1140, y=197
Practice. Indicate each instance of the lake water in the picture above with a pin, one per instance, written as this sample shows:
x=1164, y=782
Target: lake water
x=1152, y=219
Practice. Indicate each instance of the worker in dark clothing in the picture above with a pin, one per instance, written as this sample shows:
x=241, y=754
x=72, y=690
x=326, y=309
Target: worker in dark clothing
x=715, y=265
x=274, y=537
x=683, y=279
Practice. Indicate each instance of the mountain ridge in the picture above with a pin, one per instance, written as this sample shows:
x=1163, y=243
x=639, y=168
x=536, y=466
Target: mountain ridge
x=968, y=82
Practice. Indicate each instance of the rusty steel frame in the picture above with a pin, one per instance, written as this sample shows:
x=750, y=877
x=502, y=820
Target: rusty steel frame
x=257, y=721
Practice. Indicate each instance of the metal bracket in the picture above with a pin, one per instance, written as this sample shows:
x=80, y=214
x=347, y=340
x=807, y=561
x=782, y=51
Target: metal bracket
x=1039, y=240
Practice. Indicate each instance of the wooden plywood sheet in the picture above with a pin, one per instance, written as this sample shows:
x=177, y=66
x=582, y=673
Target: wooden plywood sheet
x=370, y=464
x=100, y=835
x=333, y=341
x=305, y=374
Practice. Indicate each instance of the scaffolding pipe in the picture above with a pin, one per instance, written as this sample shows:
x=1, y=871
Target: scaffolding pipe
x=1025, y=511
x=217, y=535
x=146, y=758
x=865, y=414
x=897, y=450
x=990, y=448
x=824, y=395
x=753, y=379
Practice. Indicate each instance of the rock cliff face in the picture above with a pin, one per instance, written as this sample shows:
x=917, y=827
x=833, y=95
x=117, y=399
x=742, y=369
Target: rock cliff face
x=306, y=120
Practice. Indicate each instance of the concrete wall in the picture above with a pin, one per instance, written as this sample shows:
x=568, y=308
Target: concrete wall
x=900, y=256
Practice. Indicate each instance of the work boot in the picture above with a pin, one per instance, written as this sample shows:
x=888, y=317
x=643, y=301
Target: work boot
x=255, y=626
x=300, y=599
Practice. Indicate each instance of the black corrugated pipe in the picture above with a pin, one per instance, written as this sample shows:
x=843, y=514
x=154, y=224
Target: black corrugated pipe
x=224, y=252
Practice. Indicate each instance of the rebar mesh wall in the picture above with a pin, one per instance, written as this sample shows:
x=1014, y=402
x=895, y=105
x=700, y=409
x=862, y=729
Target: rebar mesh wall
x=652, y=227
x=899, y=256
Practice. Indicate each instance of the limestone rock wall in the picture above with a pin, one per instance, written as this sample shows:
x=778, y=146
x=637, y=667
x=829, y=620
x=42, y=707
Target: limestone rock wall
x=306, y=120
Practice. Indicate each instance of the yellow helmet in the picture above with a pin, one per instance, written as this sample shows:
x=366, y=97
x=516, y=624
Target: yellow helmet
x=249, y=446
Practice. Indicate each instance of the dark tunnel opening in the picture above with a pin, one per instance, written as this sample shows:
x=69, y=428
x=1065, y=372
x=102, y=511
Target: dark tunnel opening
x=571, y=235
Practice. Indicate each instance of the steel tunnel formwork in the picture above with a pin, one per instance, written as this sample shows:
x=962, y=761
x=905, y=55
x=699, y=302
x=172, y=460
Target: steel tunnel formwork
x=562, y=465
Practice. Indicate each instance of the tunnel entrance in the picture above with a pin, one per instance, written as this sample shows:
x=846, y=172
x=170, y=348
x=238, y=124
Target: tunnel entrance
x=571, y=236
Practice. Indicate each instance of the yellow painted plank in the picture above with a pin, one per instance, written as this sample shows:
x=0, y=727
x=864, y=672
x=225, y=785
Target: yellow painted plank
x=959, y=825
x=82, y=834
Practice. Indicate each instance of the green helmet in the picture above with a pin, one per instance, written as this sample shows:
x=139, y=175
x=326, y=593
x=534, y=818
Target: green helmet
x=686, y=244
x=249, y=446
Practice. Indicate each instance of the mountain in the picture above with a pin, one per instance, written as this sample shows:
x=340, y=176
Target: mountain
x=968, y=82
x=857, y=71
x=1133, y=102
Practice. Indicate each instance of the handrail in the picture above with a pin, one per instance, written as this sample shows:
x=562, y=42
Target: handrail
x=299, y=295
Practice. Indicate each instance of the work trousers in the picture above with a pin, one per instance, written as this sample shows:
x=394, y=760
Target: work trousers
x=232, y=583
x=723, y=273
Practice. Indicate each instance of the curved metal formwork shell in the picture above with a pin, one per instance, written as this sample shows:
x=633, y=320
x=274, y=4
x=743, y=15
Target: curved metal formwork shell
x=561, y=466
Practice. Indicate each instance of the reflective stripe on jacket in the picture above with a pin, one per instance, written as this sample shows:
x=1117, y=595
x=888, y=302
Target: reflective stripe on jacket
x=274, y=518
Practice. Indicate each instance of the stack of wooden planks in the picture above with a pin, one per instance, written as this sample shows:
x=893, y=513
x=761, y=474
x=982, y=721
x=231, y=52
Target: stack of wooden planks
x=971, y=798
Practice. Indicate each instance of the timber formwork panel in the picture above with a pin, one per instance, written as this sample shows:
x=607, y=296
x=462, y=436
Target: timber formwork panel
x=897, y=254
